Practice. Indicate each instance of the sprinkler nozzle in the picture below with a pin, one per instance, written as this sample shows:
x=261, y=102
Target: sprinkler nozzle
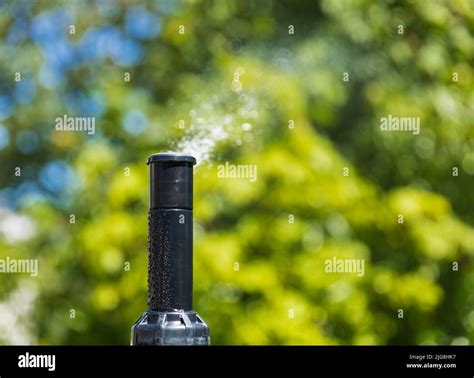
x=169, y=319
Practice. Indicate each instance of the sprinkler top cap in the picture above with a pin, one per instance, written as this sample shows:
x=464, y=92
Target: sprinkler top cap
x=171, y=156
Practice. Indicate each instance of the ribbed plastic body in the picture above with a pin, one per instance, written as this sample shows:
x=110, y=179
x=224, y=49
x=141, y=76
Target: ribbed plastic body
x=170, y=259
x=169, y=319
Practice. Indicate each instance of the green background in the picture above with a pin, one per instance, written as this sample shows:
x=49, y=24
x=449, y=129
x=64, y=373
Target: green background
x=259, y=247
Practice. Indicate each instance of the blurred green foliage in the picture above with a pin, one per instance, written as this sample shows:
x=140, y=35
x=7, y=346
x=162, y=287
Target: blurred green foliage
x=259, y=276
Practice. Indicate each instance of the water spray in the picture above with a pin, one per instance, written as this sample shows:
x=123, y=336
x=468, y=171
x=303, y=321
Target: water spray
x=170, y=319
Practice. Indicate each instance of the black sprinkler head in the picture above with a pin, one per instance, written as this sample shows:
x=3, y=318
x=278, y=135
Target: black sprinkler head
x=170, y=319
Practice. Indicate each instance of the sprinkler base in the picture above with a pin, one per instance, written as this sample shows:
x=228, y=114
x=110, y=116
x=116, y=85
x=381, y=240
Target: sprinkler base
x=173, y=327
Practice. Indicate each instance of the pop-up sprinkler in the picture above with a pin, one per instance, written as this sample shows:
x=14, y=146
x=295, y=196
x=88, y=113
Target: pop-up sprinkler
x=170, y=319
